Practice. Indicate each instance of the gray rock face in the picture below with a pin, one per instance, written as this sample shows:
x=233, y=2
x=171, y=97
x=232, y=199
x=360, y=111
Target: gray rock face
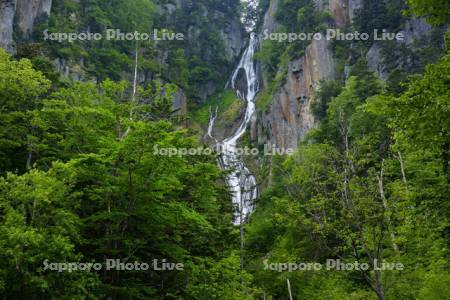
x=22, y=12
x=61, y=66
x=289, y=116
x=269, y=26
x=232, y=36
x=72, y=70
x=340, y=12
x=7, y=12
x=375, y=61
x=28, y=11
x=180, y=102
x=230, y=31
x=207, y=90
x=415, y=29
x=269, y=23
x=320, y=4
x=353, y=6
x=343, y=11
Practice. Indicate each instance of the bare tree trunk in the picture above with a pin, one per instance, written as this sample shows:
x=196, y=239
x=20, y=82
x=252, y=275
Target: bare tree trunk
x=379, y=285
x=241, y=229
x=289, y=288
x=270, y=180
x=241, y=225
x=133, y=97
x=385, y=204
x=30, y=156
x=135, y=73
x=402, y=166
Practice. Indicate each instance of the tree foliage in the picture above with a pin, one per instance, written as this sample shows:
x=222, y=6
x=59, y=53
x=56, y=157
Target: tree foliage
x=370, y=183
x=84, y=181
x=435, y=11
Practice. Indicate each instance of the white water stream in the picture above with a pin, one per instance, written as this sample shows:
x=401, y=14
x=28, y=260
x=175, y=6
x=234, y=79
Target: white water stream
x=240, y=181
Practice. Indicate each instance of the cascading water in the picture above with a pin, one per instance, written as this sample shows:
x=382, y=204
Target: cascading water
x=212, y=120
x=240, y=181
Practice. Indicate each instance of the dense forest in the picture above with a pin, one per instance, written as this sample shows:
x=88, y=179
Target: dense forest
x=82, y=182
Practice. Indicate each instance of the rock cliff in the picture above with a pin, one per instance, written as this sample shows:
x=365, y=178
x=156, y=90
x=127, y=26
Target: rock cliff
x=289, y=116
x=28, y=11
x=231, y=32
x=207, y=22
x=20, y=16
x=7, y=12
x=342, y=11
x=414, y=30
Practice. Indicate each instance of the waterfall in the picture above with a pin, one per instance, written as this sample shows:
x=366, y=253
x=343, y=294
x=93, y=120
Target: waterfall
x=240, y=181
x=212, y=120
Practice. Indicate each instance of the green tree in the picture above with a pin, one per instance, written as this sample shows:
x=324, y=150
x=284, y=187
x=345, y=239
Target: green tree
x=38, y=225
x=435, y=11
x=21, y=91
